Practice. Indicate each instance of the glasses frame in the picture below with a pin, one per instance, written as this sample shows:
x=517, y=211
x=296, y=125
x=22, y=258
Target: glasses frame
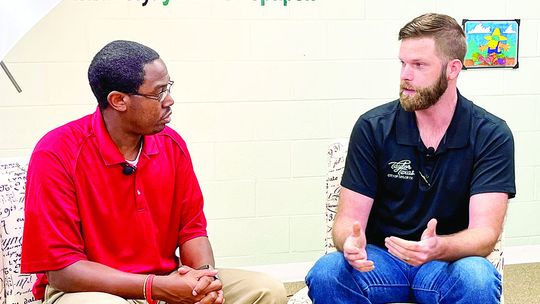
x=161, y=95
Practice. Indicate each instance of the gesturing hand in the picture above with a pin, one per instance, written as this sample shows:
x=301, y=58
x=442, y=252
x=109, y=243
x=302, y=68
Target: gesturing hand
x=354, y=249
x=416, y=253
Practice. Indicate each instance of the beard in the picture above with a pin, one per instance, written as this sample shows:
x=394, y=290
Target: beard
x=423, y=98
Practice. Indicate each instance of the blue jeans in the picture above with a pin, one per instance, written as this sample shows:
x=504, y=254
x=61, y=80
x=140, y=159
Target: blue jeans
x=469, y=280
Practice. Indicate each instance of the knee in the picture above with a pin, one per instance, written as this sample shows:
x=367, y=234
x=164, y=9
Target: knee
x=269, y=290
x=326, y=270
x=468, y=280
x=256, y=288
x=477, y=274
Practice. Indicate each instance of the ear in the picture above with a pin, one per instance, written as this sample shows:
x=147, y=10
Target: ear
x=453, y=67
x=118, y=100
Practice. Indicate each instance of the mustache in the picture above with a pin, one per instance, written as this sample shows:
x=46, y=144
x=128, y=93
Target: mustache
x=168, y=111
x=405, y=86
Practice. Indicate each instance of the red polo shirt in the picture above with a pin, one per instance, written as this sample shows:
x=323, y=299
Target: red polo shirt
x=80, y=206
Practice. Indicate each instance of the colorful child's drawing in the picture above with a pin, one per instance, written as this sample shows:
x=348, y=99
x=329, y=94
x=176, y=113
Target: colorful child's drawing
x=491, y=43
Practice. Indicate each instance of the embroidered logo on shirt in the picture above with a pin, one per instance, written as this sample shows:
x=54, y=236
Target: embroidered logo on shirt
x=402, y=169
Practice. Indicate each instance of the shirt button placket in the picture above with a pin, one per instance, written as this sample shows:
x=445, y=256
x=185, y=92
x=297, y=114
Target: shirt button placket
x=139, y=198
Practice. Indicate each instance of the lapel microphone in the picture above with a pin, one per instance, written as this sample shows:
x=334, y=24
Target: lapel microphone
x=430, y=153
x=128, y=169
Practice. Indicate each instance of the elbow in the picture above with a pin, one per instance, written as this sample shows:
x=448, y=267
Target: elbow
x=54, y=280
x=492, y=245
x=337, y=239
x=335, y=243
x=493, y=248
x=58, y=280
x=487, y=251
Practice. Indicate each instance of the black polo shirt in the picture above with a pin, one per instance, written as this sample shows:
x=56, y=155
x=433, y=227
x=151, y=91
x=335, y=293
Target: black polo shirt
x=410, y=184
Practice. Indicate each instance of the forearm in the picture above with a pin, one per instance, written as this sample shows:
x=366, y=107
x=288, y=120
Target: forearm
x=340, y=232
x=352, y=207
x=343, y=228
x=469, y=242
x=486, y=218
x=86, y=276
x=197, y=252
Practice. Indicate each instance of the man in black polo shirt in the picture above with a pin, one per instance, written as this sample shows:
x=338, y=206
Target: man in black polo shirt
x=425, y=188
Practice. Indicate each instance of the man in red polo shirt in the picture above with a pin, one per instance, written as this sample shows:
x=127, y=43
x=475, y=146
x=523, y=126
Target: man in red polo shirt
x=112, y=195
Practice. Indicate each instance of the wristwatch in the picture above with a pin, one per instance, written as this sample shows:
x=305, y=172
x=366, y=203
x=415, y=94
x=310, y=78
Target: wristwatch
x=205, y=266
x=208, y=266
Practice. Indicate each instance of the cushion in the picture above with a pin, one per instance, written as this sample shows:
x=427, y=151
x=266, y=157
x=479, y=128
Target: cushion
x=16, y=287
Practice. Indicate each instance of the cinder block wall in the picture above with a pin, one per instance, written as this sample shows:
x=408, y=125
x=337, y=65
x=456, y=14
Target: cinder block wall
x=260, y=91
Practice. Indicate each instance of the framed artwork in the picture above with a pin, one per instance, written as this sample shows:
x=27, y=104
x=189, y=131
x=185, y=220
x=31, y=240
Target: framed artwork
x=491, y=43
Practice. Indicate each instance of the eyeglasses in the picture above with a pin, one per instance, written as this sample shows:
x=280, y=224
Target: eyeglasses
x=161, y=95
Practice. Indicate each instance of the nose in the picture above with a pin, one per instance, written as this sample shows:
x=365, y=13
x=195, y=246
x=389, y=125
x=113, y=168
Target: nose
x=406, y=72
x=168, y=101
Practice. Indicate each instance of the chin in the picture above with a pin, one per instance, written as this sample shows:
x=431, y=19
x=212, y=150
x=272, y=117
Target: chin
x=158, y=129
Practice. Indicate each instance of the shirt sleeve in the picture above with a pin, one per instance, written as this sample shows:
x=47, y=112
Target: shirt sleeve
x=52, y=238
x=192, y=218
x=360, y=174
x=494, y=168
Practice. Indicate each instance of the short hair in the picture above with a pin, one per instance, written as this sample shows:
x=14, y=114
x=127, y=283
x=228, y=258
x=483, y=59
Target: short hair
x=118, y=66
x=447, y=33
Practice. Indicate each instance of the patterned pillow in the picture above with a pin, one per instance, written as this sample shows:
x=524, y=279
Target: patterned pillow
x=15, y=287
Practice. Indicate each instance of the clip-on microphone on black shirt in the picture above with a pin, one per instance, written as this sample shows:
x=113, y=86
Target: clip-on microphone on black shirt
x=430, y=152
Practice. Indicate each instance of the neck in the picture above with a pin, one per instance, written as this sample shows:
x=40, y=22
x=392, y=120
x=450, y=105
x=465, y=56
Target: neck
x=127, y=143
x=434, y=121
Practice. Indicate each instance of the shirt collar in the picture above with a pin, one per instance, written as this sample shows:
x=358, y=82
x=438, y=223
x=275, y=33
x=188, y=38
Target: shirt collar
x=457, y=135
x=107, y=148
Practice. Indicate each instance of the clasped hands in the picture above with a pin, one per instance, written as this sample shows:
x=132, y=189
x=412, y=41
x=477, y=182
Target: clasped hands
x=199, y=286
x=412, y=252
